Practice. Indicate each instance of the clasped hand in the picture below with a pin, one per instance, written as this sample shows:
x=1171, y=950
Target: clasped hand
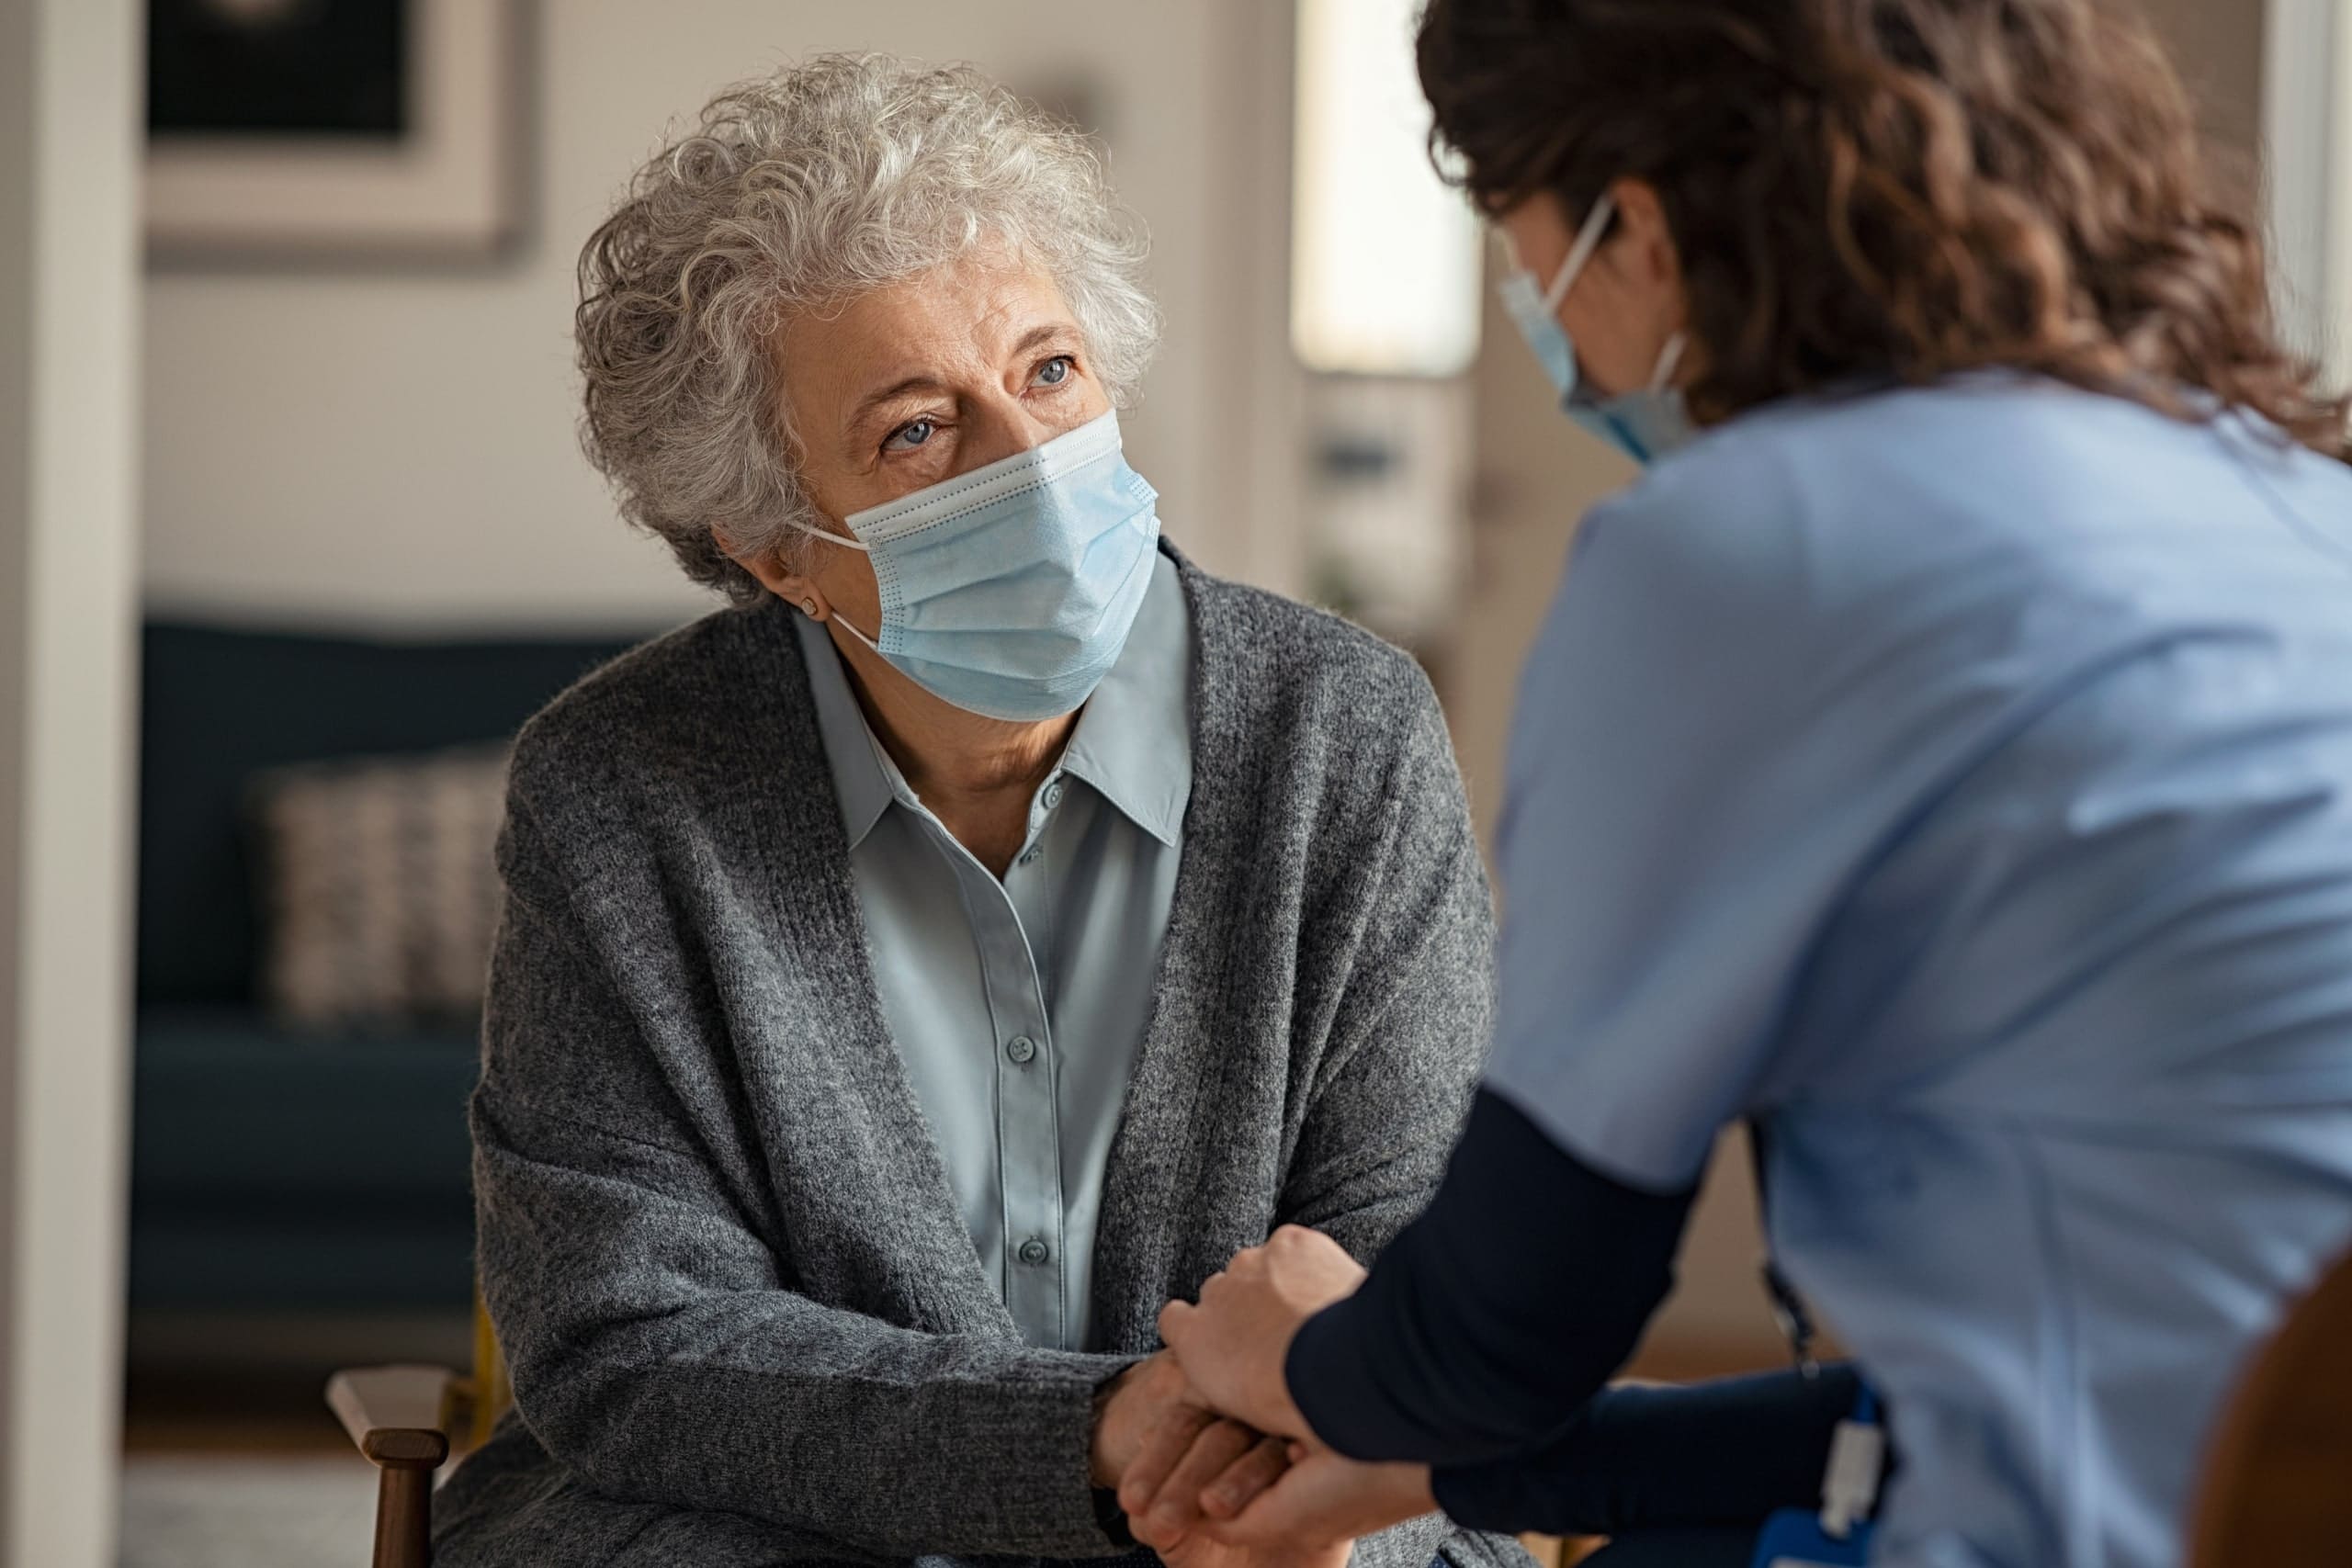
x=1218, y=1459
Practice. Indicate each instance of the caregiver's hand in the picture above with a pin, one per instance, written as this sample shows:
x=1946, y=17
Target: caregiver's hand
x=1232, y=1345
x=1265, y=1495
x=1320, y=1497
x=1200, y=1551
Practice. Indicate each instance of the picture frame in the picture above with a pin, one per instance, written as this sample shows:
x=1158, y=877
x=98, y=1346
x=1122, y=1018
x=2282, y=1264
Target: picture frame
x=438, y=180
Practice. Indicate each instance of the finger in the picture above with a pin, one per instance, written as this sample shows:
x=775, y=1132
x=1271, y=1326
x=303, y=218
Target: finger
x=1175, y=1319
x=1283, y=1515
x=1177, y=1508
x=1246, y=1478
x=1163, y=1449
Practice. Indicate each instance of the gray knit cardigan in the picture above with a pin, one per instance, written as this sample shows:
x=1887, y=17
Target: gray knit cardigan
x=746, y=1323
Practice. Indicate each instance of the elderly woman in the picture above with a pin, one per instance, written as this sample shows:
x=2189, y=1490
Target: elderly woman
x=916, y=974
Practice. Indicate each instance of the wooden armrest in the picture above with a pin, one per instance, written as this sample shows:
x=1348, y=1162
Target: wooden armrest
x=397, y=1415
x=399, y=1419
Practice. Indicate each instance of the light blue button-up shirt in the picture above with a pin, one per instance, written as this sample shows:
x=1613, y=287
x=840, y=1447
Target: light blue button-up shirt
x=1959, y=780
x=1018, y=1006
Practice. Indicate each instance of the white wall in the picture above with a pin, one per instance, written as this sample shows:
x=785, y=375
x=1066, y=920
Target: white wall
x=69, y=71
x=399, y=447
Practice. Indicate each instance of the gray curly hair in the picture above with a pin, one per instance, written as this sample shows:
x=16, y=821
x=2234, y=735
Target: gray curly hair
x=796, y=192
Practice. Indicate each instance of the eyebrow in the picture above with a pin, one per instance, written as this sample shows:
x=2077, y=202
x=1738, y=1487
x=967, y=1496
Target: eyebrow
x=1035, y=338
x=1040, y=335
x=890, y=394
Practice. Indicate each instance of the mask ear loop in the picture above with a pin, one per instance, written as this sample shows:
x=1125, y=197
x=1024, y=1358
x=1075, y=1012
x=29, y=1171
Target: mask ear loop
x=816, y=533
x=843, y=622
x=1670, y=360
x=1580, y=254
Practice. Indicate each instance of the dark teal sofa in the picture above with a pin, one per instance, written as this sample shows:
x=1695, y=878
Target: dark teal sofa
x=271, y=1170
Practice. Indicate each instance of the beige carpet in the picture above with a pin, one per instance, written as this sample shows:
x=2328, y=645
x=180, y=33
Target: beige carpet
x=247, y=1511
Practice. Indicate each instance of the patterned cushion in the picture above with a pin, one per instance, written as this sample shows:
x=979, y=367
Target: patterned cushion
x=379, y=889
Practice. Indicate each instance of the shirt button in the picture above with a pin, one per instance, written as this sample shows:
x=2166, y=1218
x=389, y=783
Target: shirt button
x=1035, y=1252
x=1053, y=795
x=1029, y=856
x=1021, y=1049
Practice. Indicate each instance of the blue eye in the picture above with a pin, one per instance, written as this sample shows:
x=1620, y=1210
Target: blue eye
x=910, y=435
x=1056, y=371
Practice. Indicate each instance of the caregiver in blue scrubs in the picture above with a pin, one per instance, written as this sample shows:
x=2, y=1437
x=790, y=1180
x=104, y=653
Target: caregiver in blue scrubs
x=1940, y=759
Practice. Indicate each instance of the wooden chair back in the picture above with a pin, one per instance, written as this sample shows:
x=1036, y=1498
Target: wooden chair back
x=2277, y=1485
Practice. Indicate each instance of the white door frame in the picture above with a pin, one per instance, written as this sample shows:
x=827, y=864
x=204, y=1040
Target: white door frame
x=70, y=125
x=2307, y=136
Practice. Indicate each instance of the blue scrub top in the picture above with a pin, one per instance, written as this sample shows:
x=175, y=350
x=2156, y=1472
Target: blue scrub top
x=1959, y=780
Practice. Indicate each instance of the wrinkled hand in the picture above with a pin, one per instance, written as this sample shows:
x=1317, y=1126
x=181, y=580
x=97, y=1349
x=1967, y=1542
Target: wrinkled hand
x=1225, y=1465
x=1264, y=1495
x=1148, y=1398
x=1161, y=1492
x=1200, y=1551
x=1151, y=1419
x=1231, y=1347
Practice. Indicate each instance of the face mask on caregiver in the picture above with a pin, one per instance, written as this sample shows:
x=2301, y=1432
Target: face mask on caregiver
x=1646, y=425
x=1009, y=590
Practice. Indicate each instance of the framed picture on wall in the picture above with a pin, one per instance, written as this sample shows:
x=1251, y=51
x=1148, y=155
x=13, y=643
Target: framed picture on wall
x=333, y=129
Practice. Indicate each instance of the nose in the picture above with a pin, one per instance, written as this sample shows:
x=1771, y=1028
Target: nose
x=1000, y=424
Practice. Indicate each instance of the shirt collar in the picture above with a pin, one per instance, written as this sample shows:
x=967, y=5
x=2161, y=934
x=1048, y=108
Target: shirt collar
x=864, y=779
x=1133, y=743
x=1133, y=740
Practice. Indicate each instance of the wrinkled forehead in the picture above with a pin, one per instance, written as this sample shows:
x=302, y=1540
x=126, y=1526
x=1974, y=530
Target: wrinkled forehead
x=959, y=323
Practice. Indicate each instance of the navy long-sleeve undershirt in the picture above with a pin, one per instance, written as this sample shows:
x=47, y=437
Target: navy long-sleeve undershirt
x=1702, y=1456
x=1490, y=1320
x=1483, y=1342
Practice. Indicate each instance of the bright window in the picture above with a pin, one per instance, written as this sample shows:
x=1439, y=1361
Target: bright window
x=1384, y=256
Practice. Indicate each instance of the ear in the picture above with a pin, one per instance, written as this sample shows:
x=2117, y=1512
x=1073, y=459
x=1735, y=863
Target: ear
x=769, y=569
x=1647, y=244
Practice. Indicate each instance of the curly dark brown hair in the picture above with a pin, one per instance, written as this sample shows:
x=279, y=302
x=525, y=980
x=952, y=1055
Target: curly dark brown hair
x=1903, y=189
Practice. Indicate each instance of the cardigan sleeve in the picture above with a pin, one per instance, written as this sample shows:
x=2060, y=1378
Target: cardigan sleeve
x=1409, y=1017
x=655, y=1349
x=1410, y=1001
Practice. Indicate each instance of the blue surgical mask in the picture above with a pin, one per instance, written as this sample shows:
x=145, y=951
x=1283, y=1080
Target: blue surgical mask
x=1009, y=590
x=1646, y=425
